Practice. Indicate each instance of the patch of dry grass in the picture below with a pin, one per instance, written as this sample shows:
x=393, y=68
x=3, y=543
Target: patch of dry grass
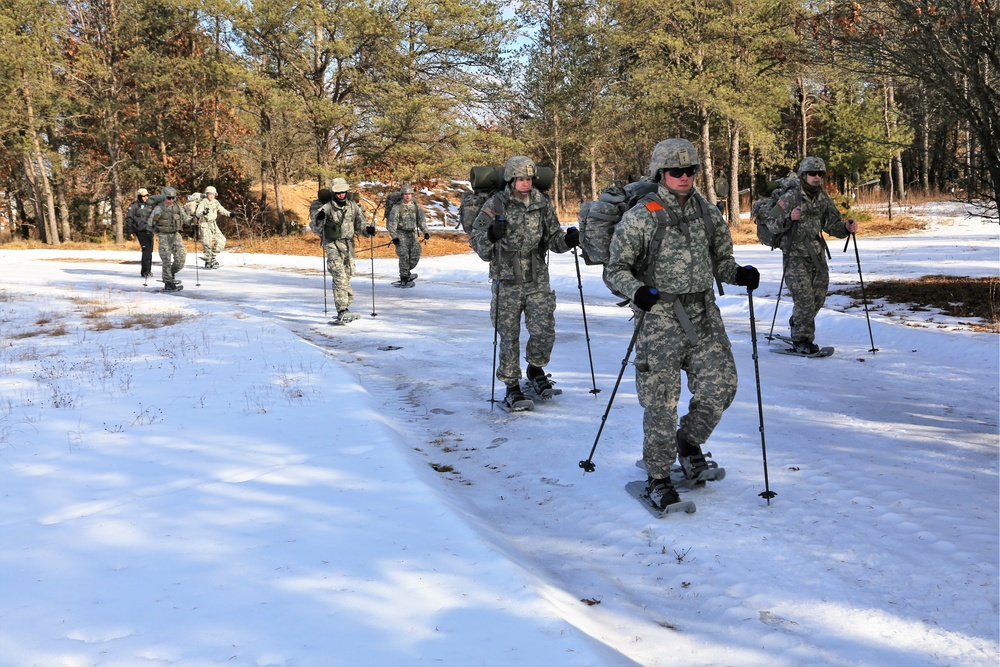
x=956, y=296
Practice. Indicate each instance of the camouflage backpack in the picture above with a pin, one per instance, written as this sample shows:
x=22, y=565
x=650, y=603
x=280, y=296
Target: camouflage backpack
x=485, y=181
x=764, y=210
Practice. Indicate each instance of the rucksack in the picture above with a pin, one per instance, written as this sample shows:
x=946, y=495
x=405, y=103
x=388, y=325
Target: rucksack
x=761, y=211
x=598, y=219
x=485, y=181
x=391, y=201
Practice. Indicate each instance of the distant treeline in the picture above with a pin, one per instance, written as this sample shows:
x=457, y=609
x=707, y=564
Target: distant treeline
x=101, y=97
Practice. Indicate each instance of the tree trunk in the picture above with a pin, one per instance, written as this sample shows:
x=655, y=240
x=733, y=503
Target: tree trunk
x=734, y=177
x=706, y=155
x=803, y=116
x=752, y=172
x=593, y=173
x=886, y=101
x=36, y=199
x=282, y=222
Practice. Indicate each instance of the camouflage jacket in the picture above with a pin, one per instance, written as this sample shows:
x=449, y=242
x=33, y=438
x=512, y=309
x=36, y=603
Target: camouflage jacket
x=169, y=219
x=406, y=218
x=208, y=210
x=341, y=221
x=532, y=230
x=683, y=264
x=819, y=214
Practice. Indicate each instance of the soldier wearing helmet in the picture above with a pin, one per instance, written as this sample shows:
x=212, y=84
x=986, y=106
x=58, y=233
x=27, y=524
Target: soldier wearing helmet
x=337, y=221
x=662, y=253
x=137, y=223
x=213, y=241
x=514, y=231
x=168, y=220
x=802, y=214
x=407, y=225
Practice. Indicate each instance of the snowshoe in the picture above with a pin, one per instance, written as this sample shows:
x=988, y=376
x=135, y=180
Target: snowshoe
x=801, y=348
x=695, y=466
x=172, y=287
x=516, y=401
x=659, y=497
x=344, y=317
x=403, y=285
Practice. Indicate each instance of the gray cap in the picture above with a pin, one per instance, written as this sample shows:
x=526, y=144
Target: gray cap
x=672, y=154
x=406, y=190
x=811, y=163
x=168, y=192
x=210, y=190
x=339, y=185
x=142, y=192
x=519, y=166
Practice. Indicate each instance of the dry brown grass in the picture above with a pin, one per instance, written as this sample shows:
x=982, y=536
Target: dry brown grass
x=956, y=296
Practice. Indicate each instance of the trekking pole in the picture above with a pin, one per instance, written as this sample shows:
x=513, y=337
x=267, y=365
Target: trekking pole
x=770, y=335
x=322, y=245
x=197, y=228
x=586, y=332
x=767, y=493
x=494, y=308
x=588, y=464
x=371, y=251
x=864, y=299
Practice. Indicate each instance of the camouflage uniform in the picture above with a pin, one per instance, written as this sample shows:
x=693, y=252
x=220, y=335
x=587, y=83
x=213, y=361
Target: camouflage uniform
x=337, y=222
x=408, y=224
x=807, y=274
x=137, y=222
x=168, y=221
x=664, y=348
x=520, y=274
x=212, y=240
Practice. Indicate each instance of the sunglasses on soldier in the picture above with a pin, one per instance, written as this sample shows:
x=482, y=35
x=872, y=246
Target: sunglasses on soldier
x=677, y=172
x=821, y=174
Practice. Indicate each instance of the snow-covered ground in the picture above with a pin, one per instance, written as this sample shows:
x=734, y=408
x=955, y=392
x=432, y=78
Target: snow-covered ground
x=247, y=485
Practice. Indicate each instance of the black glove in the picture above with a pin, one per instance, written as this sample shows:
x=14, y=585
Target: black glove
x=426, y=235
x=321, y=216
x=646, y=297
x=572, y=237
x=370, y=230
x=748, y=276
x=395, y=241
x=497, y=230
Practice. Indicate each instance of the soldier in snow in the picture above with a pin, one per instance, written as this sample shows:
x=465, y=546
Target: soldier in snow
x=137, y=222
x=514, y=231
x=802, y=214
x=168, y=220
x=662, y=253
x=212, y=240
x=407, y=226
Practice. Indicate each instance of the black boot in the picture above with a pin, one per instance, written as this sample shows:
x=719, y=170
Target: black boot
x=662, y=492
x=540, y=382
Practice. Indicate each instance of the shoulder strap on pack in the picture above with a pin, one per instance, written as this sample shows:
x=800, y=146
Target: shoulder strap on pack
x=706, y=216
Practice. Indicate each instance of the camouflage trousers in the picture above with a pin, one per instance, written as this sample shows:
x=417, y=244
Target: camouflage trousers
x=340, y=264
x=173, y=255
x=212, y=241
x=408, y=252
x=663, y=350
x=807, y=284
x=538, y=304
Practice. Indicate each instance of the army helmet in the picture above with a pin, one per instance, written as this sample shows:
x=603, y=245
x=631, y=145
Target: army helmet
x=169, y=192
x=811, y=163
x=210, y=190
x=142, y=192
x=672, y=154
x=519, y=166
x=339, y=185
x=406, y=190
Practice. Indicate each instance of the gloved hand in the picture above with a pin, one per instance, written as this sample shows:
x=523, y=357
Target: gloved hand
x=321, y=216
x=851, y=226
x=370, y=230
x=427, y=235
x=395, y=241
x=572, y=237
x=748, y=276
x=497, y=230
x=646, y=297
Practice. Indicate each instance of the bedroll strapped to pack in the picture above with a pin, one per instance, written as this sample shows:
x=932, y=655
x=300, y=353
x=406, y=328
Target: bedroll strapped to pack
x=766, y=210
x=487, y=180
x=391, y=201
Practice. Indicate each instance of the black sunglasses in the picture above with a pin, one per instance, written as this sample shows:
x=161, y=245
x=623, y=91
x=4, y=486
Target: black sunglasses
x=816, y=173
x=677, y=172
x=166, y=198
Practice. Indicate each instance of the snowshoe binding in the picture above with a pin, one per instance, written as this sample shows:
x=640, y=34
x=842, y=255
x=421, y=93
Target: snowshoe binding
x=516, y=401
x=172, y=285
x=541, y=384
x=697, y=469
x=802, y=348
